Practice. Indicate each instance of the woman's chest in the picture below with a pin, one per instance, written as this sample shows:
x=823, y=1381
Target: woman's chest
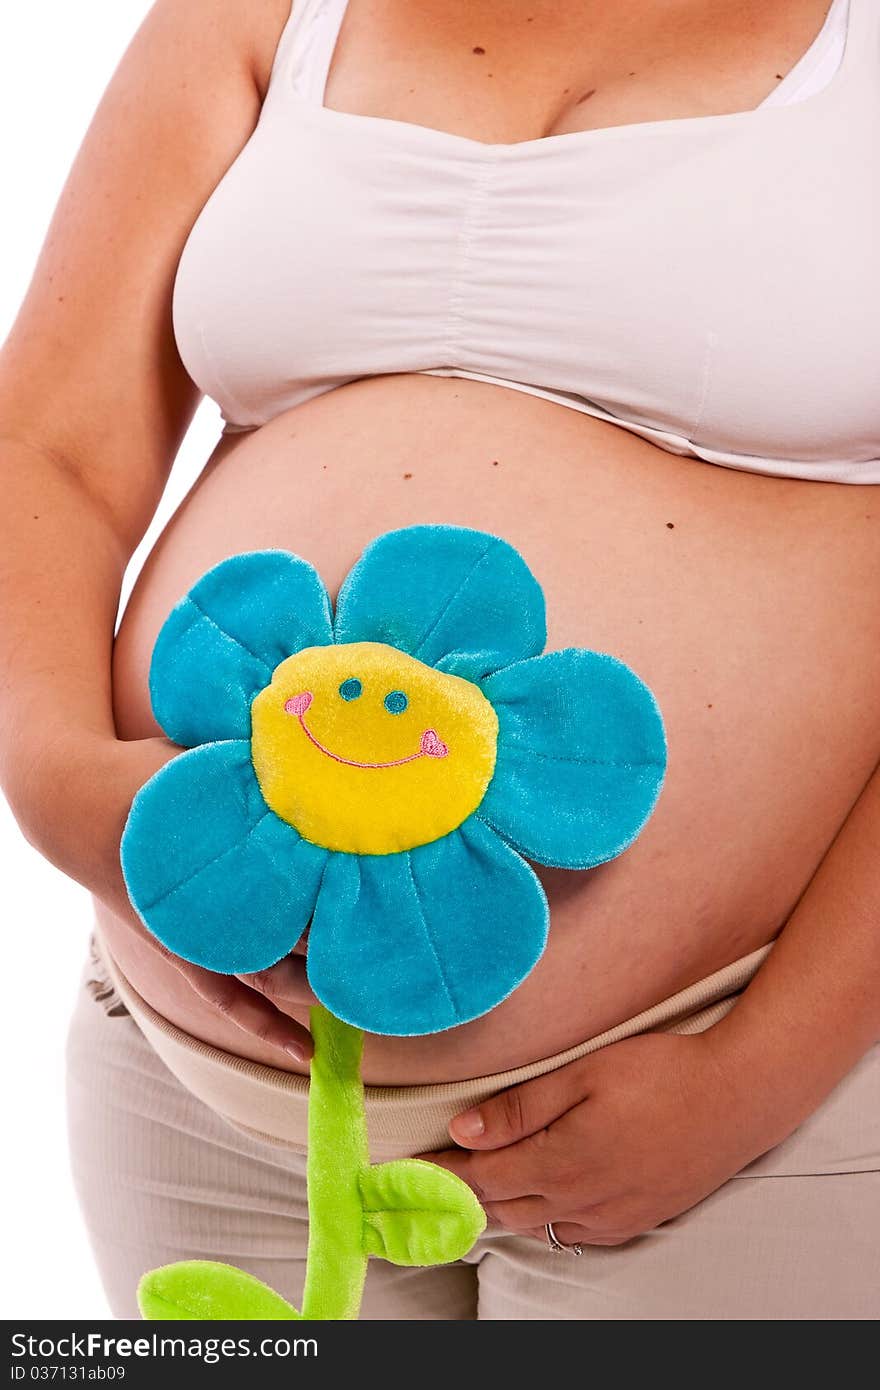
x=721, y=287
x=500, y=73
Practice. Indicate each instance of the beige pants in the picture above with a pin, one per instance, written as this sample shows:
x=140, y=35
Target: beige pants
x=163, y=1175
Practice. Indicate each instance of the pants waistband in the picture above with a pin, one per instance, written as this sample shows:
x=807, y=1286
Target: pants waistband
x=401, y=1120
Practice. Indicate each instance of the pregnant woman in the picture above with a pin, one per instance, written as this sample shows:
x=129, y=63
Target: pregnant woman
x=601, y=279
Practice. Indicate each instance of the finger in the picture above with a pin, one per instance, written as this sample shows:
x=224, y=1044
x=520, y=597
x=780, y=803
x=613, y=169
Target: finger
x=492, y=1177
x=284, y=984
x=249, y=1011
x=523, y=1215
x=521, y=1110
x=569, y=1233
x=528, y=1215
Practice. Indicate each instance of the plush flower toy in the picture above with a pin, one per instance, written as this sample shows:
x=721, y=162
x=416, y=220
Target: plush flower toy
x=379, y=775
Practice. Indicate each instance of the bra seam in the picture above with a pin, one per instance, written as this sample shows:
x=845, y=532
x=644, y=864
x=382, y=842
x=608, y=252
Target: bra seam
x=463, y=257
x=707, y=373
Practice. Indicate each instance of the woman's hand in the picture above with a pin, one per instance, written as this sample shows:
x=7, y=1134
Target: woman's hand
x=612, y=1145
x=258, y=1004
x=100, y=780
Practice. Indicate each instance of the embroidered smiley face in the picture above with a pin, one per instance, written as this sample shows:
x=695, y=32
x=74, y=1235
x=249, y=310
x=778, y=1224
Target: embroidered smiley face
x=367, y=750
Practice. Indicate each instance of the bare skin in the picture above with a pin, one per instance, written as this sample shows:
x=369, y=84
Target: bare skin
x=751, y=605
x=748, y=601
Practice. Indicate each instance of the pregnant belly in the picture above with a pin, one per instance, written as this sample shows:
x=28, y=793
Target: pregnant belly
x=750, y=605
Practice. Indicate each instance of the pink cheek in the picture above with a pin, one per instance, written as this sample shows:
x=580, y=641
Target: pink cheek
x=433, y=746
x=298, y=704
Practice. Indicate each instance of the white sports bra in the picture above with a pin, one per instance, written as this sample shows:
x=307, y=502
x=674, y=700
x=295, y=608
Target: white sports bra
x=710, y=283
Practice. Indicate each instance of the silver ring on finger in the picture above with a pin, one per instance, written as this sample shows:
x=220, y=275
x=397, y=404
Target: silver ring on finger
x=558, y=1246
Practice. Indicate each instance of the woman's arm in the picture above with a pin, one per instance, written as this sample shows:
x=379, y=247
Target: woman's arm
x=94, y=402
x=816, y=1000
x=646, y=1128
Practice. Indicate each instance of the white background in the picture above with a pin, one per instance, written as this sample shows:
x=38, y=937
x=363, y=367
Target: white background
x=56, y=58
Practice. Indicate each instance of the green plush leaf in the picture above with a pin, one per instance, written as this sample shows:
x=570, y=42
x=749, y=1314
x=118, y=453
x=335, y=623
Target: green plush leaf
x=205, y=1291
x=418, y=1214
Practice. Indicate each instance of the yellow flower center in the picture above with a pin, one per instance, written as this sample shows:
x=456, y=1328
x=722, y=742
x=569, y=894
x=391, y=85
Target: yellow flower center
x=366, y=750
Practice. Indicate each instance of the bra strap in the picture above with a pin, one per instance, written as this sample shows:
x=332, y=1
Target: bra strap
x=305, y=48
x=863, y=39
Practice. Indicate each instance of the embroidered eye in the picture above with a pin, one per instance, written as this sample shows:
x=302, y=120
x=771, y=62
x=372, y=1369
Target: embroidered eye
x=396, y=702
x=351, y=689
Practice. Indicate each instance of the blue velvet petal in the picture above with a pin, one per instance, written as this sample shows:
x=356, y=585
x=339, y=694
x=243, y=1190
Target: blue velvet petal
x=460, y=600
x=419, y=941
x=212, y=872
x=581, y=757
x=221, y=643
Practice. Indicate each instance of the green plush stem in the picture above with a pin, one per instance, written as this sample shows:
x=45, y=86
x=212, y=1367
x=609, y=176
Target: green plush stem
x=405, y=1211
x=338, y=1155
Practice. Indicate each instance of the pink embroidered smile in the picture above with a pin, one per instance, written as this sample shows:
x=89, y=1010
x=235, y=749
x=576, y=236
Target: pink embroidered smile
x=430, y=745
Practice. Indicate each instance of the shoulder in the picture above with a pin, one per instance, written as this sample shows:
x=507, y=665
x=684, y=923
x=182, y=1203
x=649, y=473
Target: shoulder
x=241, y=29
